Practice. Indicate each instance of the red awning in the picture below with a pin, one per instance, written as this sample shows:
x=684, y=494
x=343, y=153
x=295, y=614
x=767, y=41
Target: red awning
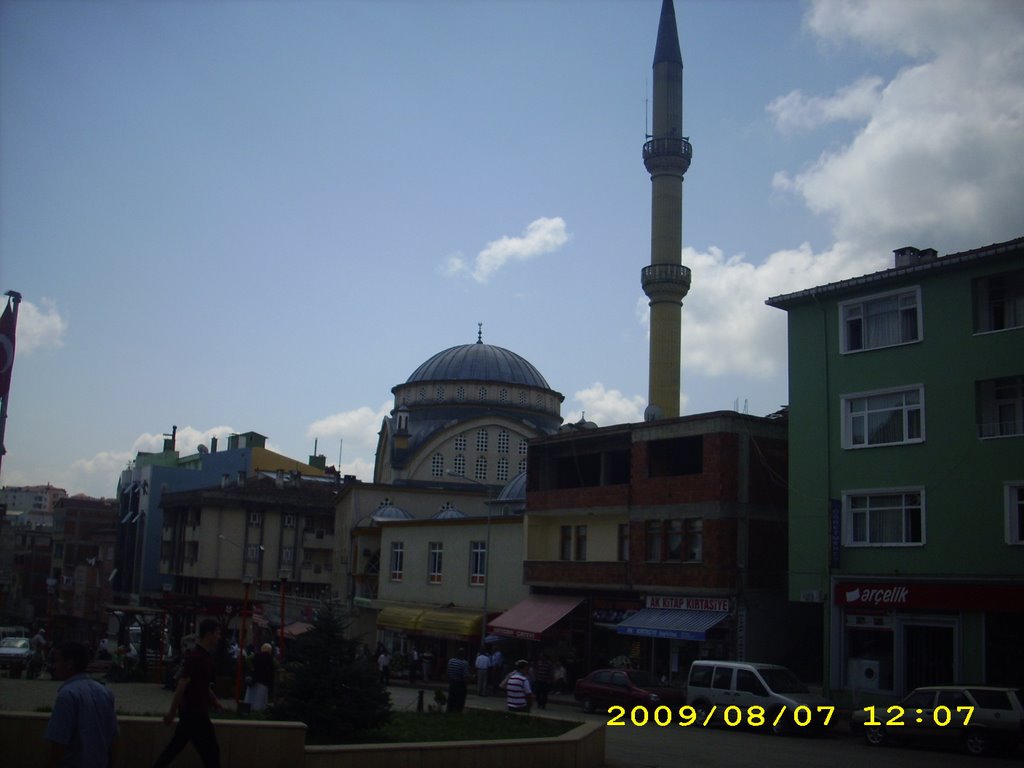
x=529, y=619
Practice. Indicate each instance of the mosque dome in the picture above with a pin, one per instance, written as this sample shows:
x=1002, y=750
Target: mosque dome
x=479, y=362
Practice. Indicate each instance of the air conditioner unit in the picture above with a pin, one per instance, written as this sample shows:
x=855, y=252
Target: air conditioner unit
x=863, y=674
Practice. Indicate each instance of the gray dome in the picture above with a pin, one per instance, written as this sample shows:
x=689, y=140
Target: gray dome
x=479, y=362
x=515, y=489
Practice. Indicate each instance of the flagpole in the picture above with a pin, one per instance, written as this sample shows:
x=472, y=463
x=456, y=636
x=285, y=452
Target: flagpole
x=16, y=299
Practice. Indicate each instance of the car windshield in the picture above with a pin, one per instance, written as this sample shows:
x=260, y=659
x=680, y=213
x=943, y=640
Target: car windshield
x=781, y=680
x=643, y=679
x=14, y=642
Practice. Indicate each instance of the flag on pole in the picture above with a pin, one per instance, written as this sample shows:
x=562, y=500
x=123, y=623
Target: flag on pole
x=7, y=322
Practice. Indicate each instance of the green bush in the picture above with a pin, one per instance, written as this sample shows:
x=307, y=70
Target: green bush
x=329, y=686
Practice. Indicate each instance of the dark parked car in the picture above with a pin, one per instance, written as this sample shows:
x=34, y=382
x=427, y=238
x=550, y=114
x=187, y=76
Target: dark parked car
x=15, y=651
x=981, y=719
x=629, y=687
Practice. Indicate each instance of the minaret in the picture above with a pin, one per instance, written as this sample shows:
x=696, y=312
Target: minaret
x=666, y=281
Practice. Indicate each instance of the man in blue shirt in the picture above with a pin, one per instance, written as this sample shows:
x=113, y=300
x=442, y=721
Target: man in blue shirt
x=82, y=731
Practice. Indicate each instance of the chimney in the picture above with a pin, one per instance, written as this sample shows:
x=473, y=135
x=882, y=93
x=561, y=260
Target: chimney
x=213, y=445
x=909, y=256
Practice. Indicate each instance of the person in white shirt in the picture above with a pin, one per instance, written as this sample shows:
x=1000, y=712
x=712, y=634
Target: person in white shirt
x=483, y=669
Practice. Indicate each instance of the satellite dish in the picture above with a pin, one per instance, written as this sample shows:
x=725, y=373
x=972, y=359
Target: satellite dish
x=653, y=413
x=202, y=448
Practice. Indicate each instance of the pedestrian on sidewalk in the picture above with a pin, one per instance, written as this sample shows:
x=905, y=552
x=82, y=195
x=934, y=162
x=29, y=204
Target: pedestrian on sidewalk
x=483, y=670
x=384, y=665
x=193, y=699
x=458, y=676
x=82, y=731
x=518, y=693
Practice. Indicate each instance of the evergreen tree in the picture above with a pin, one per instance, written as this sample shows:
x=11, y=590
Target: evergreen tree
x=329, y=685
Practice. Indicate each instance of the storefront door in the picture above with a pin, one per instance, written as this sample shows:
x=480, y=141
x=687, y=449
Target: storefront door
x=928, y=655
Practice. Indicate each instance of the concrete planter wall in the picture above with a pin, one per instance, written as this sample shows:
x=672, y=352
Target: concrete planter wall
x=271, y=744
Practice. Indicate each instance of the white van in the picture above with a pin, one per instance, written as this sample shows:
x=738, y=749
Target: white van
x=786, y=702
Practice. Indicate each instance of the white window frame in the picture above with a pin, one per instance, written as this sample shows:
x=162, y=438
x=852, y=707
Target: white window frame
x=396, y=566
x=477, y=563
x=849, y=513
x=849, y=416
x=289, y=520
x=847, y=310
x=1013, y=506
x=1012, y=301
x=435, y=562
x=287, y=555
x=252, y=553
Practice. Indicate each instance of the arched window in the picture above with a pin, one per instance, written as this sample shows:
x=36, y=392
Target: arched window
x=459, y=465
x=502, y=469
x=437, y=465
x=481, y=440
x=481, y=467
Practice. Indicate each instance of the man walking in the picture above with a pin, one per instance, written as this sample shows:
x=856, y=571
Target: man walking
x=458, y=675
x=192, y=701
x=483, y=669
x=82, y=730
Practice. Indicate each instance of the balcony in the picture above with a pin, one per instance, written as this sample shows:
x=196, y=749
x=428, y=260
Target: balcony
x=317, y=539
x=668, y=154
x=608, y=574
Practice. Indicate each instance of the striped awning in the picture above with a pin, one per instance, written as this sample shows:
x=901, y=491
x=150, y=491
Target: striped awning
x=669, y=623
x=450, y=623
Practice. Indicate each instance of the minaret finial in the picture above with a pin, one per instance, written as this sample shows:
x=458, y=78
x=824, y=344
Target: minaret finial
x=479, y=333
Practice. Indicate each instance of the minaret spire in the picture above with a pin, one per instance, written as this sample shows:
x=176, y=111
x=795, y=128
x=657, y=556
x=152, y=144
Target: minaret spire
x=666, y=281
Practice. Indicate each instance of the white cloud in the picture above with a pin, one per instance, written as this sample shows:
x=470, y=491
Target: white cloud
x=795, y=111
x=357, y=429
x=726, y=327
x=39, y=328
x=542, y=236
x=605, y=407
x=938, y=161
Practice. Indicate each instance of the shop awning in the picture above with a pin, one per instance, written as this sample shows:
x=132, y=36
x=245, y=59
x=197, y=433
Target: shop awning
x=672, y=624
x=297, y=628
x=451, y=623
x=530, y=618
x=398, y=617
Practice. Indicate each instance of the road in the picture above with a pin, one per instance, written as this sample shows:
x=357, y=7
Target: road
x=627, y=746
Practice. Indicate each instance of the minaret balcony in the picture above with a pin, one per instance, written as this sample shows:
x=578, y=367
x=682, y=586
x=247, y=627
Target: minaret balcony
x=669, y=154
x=665, y=282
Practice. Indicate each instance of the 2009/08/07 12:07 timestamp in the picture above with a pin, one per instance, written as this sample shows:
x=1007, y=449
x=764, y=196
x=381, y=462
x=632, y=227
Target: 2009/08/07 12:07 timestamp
x=897, y=716
x=731, y=716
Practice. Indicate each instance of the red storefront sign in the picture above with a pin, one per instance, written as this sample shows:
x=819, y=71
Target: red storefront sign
x=930, y=595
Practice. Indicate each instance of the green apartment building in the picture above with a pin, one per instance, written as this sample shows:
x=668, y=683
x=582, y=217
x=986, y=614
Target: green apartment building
x=906, y=470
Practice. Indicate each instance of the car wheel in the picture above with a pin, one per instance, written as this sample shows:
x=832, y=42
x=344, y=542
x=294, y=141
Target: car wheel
x=978, y=742
x=782, y=728
x=702, y=708
x=588, y=705
x=875, y=735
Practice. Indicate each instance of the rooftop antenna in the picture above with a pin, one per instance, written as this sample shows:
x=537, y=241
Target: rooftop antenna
x=646, y=134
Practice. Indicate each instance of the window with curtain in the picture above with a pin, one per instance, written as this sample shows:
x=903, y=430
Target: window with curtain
x=893, y=518
x=881, y=321
x=883, y=418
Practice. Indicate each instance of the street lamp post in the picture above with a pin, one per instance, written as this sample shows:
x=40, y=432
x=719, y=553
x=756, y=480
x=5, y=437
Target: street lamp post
x=487, y=553
x=247, y=581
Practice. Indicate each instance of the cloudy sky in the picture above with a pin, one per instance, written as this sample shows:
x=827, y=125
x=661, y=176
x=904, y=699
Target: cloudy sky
x=245, y=215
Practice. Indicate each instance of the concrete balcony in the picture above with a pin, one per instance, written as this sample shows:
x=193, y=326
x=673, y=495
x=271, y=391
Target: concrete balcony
x=558, y=572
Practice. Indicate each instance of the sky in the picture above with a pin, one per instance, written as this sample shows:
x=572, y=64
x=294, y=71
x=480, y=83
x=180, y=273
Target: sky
x=248, y=215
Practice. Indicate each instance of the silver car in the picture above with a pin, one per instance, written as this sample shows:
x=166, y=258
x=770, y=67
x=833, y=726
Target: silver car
x=15, y=651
